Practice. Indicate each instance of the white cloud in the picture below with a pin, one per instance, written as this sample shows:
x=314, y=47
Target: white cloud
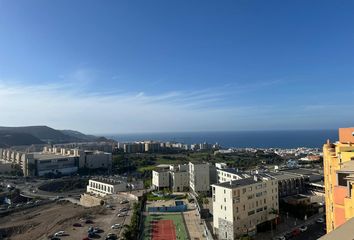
x=68, y=106
x=65, y=106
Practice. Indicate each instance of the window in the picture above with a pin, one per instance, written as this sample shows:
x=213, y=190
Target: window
x=250, y=213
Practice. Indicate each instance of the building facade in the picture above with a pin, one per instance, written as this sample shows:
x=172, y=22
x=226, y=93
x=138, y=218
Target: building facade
x=160, y=179
x=338, y=161
x=176, y=178
x=105, y=186
x=240, y=205
x=199, y=177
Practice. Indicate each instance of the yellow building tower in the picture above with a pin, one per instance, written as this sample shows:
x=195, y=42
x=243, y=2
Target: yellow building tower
x=338, y=161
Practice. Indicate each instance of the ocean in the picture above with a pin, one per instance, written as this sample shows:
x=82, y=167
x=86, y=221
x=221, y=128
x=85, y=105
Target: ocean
x=242, y=139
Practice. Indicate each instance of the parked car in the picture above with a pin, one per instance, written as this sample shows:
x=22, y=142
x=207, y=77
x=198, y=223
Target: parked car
x=122, y=214
x=116, y=226
x=111, y=236
x=303, y=228
x=124, y=201
x=288, y=235
x=281, y=238
x=295, y=232
x=59, y=234
x=88, y=221
x=123, y=209
x=54, y=238
x=77, y=225
x=320, y=220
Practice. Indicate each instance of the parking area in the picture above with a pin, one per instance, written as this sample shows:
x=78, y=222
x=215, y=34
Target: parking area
x=43, y=221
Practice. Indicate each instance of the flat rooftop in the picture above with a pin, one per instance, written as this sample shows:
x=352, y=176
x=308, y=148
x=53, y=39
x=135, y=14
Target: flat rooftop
x=47, y=156
x=239, y=182
x=343, y=232
x=112, y=181
x=235, y=171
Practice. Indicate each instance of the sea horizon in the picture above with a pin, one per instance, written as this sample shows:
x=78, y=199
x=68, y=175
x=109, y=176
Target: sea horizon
x=239, y=139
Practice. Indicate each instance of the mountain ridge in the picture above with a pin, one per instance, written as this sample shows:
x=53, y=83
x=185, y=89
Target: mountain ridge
x=28, y=135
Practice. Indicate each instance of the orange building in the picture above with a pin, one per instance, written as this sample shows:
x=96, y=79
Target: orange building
x=338, y=161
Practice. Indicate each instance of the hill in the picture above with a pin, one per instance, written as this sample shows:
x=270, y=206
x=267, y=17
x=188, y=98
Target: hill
x=8, y=139
x=79, y=135
x=44, y=133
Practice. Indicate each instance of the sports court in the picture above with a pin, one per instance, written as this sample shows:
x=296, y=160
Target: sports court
x=165, y=227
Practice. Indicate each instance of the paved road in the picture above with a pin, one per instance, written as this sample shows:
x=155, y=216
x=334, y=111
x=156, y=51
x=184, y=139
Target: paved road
x=314, y=231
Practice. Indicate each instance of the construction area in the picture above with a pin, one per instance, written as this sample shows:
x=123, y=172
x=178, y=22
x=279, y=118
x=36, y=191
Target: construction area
x=43, y=221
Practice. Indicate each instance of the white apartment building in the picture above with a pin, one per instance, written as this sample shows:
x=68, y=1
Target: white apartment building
x=160, y=179
x=179, y=181
x=105, y=186
x=230, y=174
x=175, y=178
x=199, y=177
x=240, y=205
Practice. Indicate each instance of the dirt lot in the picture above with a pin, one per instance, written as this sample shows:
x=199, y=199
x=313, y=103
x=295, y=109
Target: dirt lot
x=40, y=222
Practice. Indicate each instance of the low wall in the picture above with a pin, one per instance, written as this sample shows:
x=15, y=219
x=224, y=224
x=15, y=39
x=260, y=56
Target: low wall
x=179, y=208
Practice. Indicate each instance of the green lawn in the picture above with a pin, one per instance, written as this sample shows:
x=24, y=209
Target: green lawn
x=181, y=231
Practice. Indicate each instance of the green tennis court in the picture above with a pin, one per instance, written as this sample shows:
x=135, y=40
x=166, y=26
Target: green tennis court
x=180, y=228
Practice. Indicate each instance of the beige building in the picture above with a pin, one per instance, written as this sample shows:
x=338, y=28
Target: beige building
x=199, y=177
x=95, y=159
x=105, y=186
x=240, y=205
x=56, y=160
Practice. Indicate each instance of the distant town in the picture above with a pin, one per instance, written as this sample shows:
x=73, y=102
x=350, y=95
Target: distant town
x=107, y=189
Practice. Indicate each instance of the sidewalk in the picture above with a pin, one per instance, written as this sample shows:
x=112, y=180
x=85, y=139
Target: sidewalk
x=288, y=224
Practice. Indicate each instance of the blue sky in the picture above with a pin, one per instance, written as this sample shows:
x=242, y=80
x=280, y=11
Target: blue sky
x=157, y=66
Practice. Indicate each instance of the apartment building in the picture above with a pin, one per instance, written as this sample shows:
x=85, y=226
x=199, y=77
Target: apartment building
x=136, y=147
x=240, y=205
x=179, y=181
x=338, y=161
x=105, y=186
x=176, y=178
x=160, y=179
x=150, y=146
x=95, y=159
x=230, y=174
x=56, y=160
x=199, y=177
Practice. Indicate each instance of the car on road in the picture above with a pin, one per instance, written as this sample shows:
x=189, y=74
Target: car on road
x=54, y=238
x=122, y=214
x=116, y=226
x=303, y=228
x=320, y=220
x=88, y=221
